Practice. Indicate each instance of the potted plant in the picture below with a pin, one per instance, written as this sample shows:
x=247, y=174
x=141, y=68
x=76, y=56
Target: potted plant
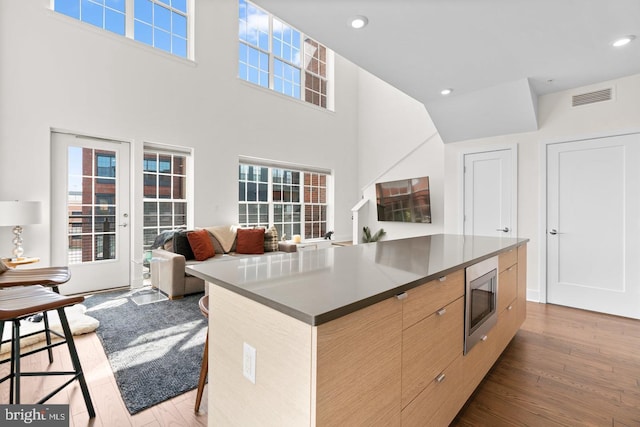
x=367, y=237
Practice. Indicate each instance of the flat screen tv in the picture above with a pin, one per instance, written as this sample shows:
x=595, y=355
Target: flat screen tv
x=405, y=200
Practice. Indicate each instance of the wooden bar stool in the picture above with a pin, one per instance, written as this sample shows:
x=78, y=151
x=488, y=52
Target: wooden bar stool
x=47, y=276
x=204, y=369
x=17, y=303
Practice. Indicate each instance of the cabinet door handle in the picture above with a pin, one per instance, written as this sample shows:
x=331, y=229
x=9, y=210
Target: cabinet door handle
x=440, y=377
x=511, y=268
x=443, y=278
x=402, y=296
x=484, y=338
x=441, y=312
x=510, y=307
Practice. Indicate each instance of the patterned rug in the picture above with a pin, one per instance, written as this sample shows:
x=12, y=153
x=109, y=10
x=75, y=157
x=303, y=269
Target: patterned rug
x=155, y=350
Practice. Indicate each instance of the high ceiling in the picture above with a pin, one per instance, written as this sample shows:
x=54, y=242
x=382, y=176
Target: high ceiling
x=496, y=55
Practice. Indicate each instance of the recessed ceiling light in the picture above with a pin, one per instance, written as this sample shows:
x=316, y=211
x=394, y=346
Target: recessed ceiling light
x=358, y=22
x=446, y=92
x=623, y=41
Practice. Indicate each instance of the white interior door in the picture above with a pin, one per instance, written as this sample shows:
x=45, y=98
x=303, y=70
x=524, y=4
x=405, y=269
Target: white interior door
x=90, y=211
x=490, y=188
x=593, y=224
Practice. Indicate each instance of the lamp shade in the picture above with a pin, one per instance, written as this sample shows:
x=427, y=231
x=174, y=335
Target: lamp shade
x=15, y=212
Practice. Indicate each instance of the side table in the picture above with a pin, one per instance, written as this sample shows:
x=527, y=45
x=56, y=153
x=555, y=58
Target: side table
x=15, y=262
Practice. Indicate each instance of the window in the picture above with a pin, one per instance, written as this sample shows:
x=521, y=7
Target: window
x=294, y=201
x=274, y=55
x=165, y=193
x=159, y=23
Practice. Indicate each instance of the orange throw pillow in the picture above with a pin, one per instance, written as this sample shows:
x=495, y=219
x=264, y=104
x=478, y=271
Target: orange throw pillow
x=201, y=244
x=250, y=241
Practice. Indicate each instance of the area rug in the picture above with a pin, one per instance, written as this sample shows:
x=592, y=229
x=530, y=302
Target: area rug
x=79, y=323
x=155, y=350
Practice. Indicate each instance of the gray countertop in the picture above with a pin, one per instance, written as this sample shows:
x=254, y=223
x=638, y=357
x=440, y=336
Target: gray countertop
x=316, y=286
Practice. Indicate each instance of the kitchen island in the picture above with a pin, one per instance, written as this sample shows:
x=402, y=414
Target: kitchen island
x=369, y=334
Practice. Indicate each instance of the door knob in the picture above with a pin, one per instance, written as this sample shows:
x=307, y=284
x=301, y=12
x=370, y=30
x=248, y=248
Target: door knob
x=124, y=224
x=553, y=232
x=504, y=230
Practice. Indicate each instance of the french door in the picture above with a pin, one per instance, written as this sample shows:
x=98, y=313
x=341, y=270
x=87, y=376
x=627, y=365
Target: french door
x=593, y=224
x=90, y=211
x=490, y=188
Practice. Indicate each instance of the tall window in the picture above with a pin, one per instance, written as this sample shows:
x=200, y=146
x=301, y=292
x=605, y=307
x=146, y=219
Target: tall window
x=165, y=193
x=158, y=23
x=294, y=201
x=275, y=55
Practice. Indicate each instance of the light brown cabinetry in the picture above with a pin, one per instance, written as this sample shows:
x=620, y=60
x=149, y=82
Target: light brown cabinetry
x=424, y=300
x=359, y=355
x=511, y=300
x=432, y=344
x=522, y=284
x=397, y=362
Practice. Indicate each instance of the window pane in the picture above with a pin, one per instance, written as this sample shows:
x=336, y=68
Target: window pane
x=150, y=162
x=242, y=196
x=68, y=7
x=143, y=33
x=179, y=26
x=179, y=187
x=161, y=40
x=114, y=22
x=179, y=46
x=181, y=5
x=150, y=185
x=143, y=11
x=115, y=4
x=164, y=164
x=164, y=187
x=92, y=13
x=161, y=17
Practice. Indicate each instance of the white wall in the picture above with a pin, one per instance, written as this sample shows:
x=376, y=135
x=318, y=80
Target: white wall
x=397, y=140
x=56, y=72
x=558, y=121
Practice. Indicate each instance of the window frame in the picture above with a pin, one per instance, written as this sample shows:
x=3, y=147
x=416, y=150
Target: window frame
x=280, y=223
x=326, y=80
x=186, y=201
x=130, y=22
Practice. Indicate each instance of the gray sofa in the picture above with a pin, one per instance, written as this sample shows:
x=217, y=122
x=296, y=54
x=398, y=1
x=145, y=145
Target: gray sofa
x=168, y=267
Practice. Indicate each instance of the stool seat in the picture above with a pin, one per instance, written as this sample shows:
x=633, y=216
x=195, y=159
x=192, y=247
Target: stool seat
x=51, y=276
x=19, y=302
x=25, y=301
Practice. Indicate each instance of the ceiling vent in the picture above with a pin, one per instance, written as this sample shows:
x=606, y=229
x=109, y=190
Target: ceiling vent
x=591, y=97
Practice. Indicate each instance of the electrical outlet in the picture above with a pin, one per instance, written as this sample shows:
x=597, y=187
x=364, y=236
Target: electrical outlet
x=249, y=362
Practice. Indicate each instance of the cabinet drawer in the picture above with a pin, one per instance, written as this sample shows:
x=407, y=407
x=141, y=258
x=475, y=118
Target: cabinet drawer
x=507, y=287
x=506, y=328
x=429, y=346
x=424, y=300
x=477, y=362
x=507, y=259
x=439, y=403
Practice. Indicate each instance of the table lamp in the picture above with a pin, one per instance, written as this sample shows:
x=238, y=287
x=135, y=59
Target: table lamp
x=15, y=212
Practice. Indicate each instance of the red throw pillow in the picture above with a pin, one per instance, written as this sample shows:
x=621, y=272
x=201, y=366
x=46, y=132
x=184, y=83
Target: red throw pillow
x=201, y=245
x=250, y=241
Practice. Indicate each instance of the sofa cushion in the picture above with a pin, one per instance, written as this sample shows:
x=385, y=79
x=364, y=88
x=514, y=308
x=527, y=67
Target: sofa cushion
x=181, y=245
x=201, y=244
x=271, y=239
x=217, y=246
x=250, y=241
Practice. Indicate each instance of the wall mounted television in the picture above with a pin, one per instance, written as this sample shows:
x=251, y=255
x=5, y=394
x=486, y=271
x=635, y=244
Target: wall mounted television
x=405, y=200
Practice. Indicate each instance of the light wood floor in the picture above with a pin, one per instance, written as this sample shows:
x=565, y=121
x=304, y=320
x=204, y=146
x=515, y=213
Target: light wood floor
x=565, y=367
x=109, y=407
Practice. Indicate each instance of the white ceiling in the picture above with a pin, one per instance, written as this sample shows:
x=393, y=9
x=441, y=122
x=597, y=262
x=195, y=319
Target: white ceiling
x=497, y=55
